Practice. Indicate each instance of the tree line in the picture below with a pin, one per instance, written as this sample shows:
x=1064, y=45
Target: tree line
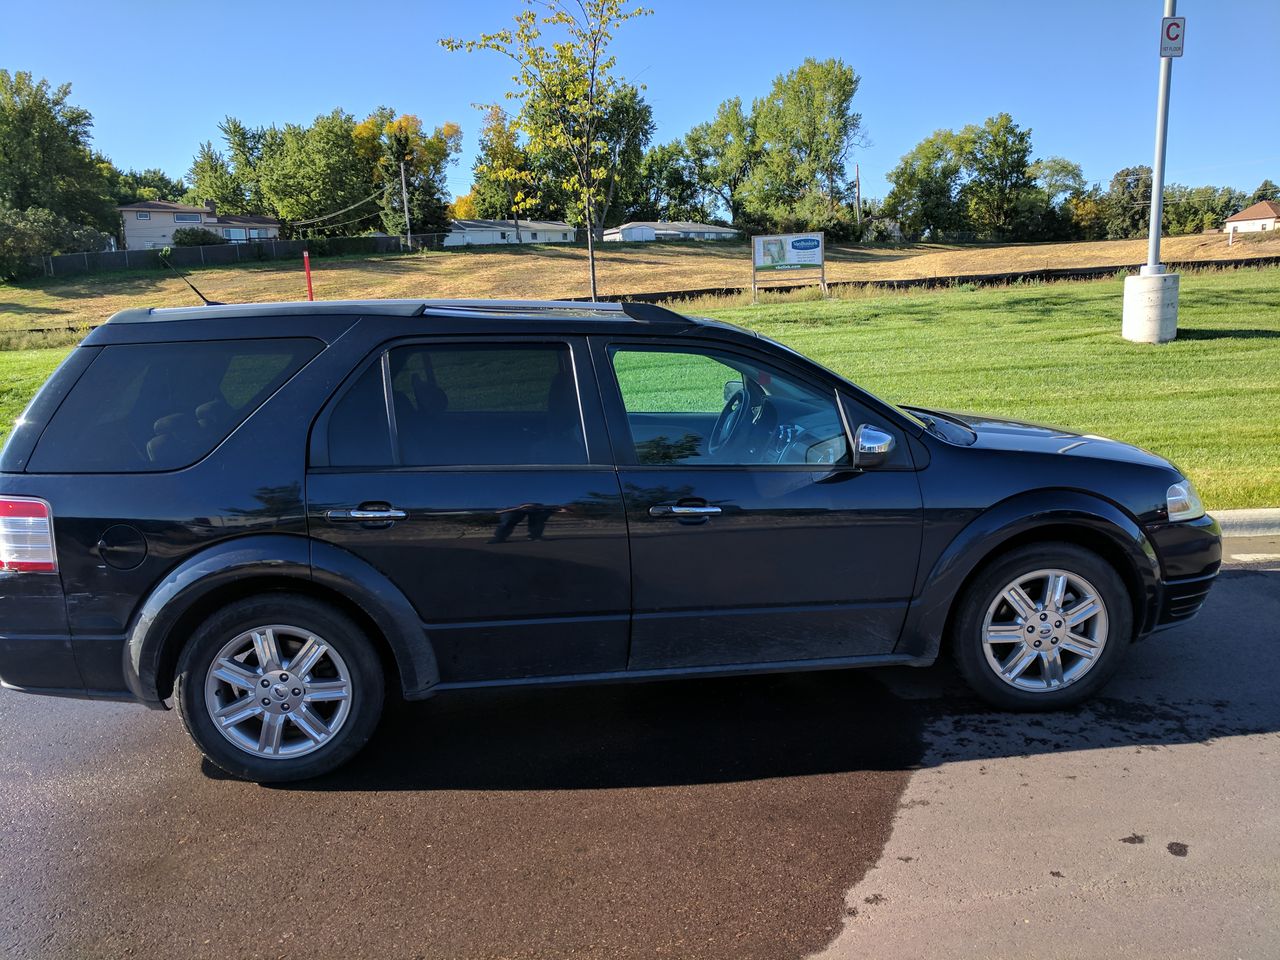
x=982, y=183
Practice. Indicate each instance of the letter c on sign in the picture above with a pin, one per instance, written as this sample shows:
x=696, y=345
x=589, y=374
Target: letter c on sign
x=1173, y=31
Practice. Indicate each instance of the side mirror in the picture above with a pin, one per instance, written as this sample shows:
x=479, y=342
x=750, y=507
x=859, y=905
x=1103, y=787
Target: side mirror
x=731, y=388
x=871, y=446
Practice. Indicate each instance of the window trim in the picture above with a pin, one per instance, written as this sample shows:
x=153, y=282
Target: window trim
x=590, y=414
x=142, y=214
x=186, y=218
x=620, y=437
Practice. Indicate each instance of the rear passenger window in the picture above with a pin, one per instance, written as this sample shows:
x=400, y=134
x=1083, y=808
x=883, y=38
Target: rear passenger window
x=162, y=406
x=462, y=404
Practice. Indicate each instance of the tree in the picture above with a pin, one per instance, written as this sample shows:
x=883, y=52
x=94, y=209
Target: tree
x=45, y=159
x=722, y=154
x=505, y=179
x=213, y=181
x=244, y=151
x=805, y=130
x=997, y=192
x=464, y=207
x=1087, y=210
x=1267, y=190
x=925, y=194
x=35, y=232
x=665, y=188
x=390, y=142
x=1129, y=203
x=131, y=186
x=565, y=88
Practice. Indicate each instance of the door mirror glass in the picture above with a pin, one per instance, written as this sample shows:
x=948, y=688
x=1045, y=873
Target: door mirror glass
x=872, y=446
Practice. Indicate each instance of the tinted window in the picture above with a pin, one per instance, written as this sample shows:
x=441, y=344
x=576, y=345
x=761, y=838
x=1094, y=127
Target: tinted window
x=161, y=406
x=462, y=404
x=704, y=407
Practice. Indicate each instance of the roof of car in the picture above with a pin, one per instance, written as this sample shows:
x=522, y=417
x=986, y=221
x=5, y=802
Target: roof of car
x=625, y=312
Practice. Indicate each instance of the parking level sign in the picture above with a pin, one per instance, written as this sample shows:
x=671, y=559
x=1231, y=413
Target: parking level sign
x=1171, y=32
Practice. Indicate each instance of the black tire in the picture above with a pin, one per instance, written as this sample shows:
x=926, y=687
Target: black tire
x=966, y=638
x=367, y=685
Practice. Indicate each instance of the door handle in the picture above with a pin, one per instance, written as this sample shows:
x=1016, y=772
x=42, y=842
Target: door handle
x=679, y=510
x=381, y=515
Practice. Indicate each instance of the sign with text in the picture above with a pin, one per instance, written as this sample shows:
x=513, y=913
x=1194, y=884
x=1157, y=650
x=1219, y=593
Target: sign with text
x=1171, y=33
x=790, y=251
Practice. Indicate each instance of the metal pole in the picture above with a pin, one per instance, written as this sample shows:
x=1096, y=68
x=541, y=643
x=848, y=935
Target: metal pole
x=404, y=195
x=1157, y=169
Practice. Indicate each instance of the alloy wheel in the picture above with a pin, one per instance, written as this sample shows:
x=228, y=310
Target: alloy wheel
x=1045, y=630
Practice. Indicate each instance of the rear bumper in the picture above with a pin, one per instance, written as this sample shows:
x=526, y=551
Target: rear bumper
x=62, y=666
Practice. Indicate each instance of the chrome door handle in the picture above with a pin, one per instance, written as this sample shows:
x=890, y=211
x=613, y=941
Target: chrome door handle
x=365, y=516
x=669, y=510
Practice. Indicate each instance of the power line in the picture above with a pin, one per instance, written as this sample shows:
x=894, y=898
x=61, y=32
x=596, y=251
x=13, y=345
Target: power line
x=376, y=193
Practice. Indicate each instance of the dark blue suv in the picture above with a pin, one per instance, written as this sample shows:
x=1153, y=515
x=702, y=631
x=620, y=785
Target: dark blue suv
x=270, y=516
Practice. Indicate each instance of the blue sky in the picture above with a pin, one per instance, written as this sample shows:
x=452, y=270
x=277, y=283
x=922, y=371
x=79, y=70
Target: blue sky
x=1082, y=75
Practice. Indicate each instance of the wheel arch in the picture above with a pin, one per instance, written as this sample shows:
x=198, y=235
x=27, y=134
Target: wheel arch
x=1048, y=516
x=251, y=566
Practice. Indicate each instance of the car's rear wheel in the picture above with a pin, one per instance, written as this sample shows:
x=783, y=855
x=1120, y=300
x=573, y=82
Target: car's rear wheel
x=279, y=687
x=1042, y=627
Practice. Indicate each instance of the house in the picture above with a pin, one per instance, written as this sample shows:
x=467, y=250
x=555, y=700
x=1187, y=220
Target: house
x=149, y=224
x=1261, y=216
x=643, y=230
x=476, y=232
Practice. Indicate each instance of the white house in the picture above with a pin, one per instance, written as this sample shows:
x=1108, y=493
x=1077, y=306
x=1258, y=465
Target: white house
x=149, y=224
x=1261, y=216
x=477, y=232
x=642, y=230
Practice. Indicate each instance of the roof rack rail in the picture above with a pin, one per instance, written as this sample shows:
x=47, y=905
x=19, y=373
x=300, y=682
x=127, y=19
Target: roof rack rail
x=642, y=312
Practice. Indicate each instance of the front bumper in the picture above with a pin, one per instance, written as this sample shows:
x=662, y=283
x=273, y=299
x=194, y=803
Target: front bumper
x=1190, y=553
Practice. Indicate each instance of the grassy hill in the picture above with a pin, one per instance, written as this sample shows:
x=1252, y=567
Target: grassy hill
x=535, y=272
x=1043, y=352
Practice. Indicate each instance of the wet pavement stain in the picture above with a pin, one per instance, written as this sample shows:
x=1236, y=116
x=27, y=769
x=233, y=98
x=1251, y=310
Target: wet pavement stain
x=1178, y=849
x=1134, y=838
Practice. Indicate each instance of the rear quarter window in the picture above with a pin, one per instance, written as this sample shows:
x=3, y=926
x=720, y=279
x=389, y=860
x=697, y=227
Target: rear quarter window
x=162, y=406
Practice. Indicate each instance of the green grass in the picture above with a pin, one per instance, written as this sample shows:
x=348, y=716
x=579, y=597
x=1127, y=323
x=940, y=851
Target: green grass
x=1210, y=401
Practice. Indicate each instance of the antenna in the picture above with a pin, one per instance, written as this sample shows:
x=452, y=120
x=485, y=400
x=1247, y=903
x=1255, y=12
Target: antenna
x=207, y=302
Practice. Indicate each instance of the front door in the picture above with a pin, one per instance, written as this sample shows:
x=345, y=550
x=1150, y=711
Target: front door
x=753, y=539
x=476, y=476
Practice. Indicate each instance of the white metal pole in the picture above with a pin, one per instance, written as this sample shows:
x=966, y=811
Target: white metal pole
x=1157, y=168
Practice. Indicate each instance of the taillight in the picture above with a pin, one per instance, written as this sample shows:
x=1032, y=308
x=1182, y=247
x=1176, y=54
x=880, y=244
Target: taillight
x=26, y=536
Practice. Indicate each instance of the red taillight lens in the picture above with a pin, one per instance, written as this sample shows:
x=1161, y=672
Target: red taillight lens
x=26, y=536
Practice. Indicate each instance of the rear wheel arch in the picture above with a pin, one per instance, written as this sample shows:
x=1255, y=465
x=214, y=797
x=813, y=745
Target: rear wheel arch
x=202, y=608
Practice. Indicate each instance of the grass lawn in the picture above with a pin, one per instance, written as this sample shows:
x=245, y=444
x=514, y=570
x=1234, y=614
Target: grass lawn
x=548, y=272
x=1052, y=353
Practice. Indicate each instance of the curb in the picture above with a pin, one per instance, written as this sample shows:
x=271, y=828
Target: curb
x=1263, y=522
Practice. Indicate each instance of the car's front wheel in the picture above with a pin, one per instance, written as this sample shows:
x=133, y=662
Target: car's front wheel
x=1042, y=627
x=279, y=687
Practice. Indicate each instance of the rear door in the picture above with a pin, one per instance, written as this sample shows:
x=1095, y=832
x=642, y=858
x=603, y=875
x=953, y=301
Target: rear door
x=475, y=473
x=753, y=538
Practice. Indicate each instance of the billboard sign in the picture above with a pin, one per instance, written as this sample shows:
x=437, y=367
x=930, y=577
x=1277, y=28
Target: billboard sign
x=790, y=251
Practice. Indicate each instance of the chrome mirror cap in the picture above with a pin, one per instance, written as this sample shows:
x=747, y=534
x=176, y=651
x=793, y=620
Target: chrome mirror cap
x=871, y=446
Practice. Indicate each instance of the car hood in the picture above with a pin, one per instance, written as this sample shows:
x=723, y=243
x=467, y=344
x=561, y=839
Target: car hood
x=995, y=433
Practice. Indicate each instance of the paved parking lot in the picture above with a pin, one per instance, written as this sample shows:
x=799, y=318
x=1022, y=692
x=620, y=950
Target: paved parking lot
x=870, y=814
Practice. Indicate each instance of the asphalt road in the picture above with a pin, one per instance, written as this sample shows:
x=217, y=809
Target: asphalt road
x=733, y=818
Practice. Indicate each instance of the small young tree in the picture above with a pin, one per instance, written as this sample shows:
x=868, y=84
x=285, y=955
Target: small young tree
x=503, y=168
x=565, y=88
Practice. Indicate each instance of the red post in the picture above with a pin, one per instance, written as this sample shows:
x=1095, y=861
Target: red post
x=306, y=265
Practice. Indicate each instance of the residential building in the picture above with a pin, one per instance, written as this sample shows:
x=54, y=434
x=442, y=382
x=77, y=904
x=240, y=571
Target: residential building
x=644, y=230
x=1263, y=215
x=149, y=224
x=484, y=232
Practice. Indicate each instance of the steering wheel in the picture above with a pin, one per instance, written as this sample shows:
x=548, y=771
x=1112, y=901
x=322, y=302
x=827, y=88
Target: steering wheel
x=731, y=425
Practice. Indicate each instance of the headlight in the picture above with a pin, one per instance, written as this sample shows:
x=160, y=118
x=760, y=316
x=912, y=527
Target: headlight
x=1184, y=503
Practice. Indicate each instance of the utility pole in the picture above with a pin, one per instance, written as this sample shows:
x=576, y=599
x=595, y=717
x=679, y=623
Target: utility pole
x=404, y=198
x=1151, y=298
x=857, y=194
